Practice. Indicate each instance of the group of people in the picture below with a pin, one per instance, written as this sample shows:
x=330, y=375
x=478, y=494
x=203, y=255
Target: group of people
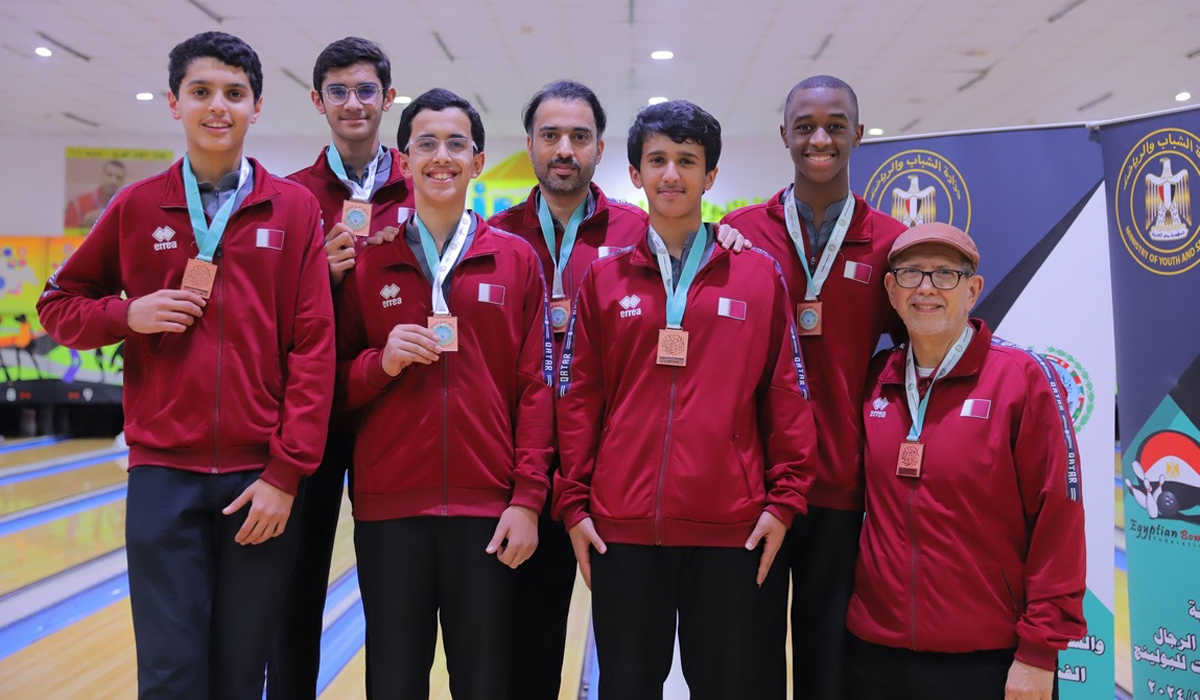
x=688, y=415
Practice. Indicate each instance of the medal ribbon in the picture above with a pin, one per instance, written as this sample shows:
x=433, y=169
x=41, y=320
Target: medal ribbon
x=677, y=295
x=917, y=405
x=441, y=269
x=568, y=241
x=359, y=193
x=816, y=280
x=208, y=236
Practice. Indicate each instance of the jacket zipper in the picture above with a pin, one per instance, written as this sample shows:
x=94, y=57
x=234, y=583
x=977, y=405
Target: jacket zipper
x=662, y=467
x=912, y=587
x=220, y=347
x=444, y=361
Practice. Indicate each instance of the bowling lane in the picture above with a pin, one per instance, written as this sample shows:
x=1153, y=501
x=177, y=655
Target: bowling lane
x=52, y=487
x=37, y=552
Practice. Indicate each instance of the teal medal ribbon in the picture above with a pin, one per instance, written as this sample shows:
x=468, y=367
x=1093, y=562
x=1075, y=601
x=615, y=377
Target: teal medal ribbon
x=440, y=269
x=917, y=404
x=208, y=236
x=568, y=242
x=816, y=278
x=359, y=193
x=677, y=293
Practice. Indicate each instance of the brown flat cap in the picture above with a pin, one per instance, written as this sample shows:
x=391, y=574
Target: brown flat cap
x=938, y=233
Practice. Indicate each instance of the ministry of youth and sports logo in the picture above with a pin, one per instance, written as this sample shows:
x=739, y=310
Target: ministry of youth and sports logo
x=919, y=186
x=1153, y=201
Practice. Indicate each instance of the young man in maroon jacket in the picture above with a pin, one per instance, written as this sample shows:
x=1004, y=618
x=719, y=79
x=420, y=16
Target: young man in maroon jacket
x=352, y=88
x=570, y=223
x=832, y=247
x=228, y=329
x=444, y=345
x=685, y=437
x=972, y=574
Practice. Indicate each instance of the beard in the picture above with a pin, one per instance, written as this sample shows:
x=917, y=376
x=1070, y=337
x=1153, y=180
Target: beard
x=577, y=181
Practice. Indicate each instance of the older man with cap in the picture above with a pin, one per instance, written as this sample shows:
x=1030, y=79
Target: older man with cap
x=970, y=577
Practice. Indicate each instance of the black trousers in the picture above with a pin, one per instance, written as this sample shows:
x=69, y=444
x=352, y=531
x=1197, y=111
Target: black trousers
x=296, y=654
x=820, y=549
x=410, y=570
x=205, y=608
x=543, y=601
x=875, y=672
x=639, y=592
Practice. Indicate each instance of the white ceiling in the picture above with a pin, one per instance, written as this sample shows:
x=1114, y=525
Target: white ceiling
x=911, y=61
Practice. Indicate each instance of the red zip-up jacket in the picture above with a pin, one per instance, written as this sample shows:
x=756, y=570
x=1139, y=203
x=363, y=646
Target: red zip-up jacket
x=392, y=204
x=249, y=385
x=855, y=311
x=472, y=433
x=682, y=456
x=611, y=227
x=985, y=550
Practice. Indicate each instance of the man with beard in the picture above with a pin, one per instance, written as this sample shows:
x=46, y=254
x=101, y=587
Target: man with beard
x=570, y=223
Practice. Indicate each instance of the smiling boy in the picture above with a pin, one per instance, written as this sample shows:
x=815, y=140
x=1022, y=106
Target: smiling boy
x=684, y=433
x=352, y=88
x=228, y=379
x=444, y=347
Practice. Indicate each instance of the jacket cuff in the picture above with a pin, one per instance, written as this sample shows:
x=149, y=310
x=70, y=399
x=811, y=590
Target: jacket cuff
x=1043, y=657
x=528, y=495
x=785, y=515
x=116, y=317
x=377, y=378
x=282, y=475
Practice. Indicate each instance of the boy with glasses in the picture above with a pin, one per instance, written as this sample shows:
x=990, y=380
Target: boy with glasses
x=971, y=573
x=212, y=274
x=444, y=347
x=363, y=192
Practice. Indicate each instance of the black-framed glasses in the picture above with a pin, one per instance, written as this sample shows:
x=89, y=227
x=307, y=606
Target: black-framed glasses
x=942, y=278
x=338, y=94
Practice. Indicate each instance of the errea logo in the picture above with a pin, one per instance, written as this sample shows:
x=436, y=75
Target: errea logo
x=391, y=295
x=164, y=235
x=629, y=306
x=879, y=408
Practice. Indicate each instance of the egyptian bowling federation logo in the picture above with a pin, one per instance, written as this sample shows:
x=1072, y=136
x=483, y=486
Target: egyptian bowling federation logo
x=920, y=186
x=1153, y=202
x=1167, y=478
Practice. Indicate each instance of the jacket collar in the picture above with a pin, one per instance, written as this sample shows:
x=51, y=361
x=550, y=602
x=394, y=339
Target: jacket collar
x=642, y=256
x=861, y=228
x=397, y=251
x=321, y=169
x=175, y=197
x=599, y=217
x=969, y=365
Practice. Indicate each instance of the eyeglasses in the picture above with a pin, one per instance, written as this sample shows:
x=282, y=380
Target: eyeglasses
x=338, y=94
x=944, y=279
x=428, y=145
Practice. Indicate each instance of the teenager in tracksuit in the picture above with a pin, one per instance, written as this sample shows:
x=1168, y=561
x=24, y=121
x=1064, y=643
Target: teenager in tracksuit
x=444, y=347
x=684, y=433
x=352, y=88
x=972, y=570
x=832, y=247
x=227, y=386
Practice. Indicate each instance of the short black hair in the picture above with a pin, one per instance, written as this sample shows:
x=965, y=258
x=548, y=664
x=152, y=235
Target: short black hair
x=680, y=121
x=344, y=53
x=226, y=48
x=115, y=162
x=436, y=100
x=824, y=81
x=566, y=90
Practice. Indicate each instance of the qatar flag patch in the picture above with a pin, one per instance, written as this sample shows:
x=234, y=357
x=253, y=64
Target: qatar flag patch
x=859, y=272
x=269, y=238
x=491, y=293
x=976, y=408
x=731, y=308
x=606, y=250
